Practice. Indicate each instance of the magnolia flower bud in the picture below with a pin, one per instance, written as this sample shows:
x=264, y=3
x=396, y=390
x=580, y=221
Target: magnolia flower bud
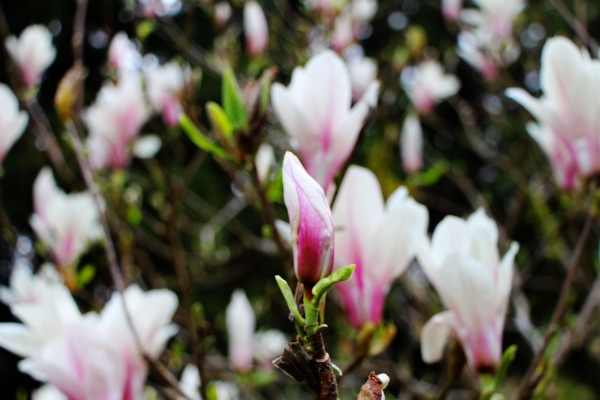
x=222, y=13
x=12, y=121
x=32, y=52
x=411, y=144
x=241, y=323
x=451, y=9
x=311, y=223
x=255, y=29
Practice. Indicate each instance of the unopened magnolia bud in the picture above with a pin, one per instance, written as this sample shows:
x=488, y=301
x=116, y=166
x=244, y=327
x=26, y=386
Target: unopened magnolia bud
x=373, y=389
x=69, y=90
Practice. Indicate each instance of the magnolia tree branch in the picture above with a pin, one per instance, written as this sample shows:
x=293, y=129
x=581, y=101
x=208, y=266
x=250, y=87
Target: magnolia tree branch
x=528, y=382
x=322, y=362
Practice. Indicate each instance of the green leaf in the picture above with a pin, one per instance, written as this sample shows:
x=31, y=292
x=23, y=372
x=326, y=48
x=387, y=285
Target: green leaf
x=85, y=275
x=264, y=96
x=325, y=284
x=200, y=139
x=219, y=121
x=134, y=215
x=289, y=299
x=507, y=358
x=232, y=101
x=145, y=28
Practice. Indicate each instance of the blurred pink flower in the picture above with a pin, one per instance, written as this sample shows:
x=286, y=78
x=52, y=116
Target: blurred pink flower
x=411, y=144
x=12, y=121
x=311, y=223
x=568, y=124
x=463, y=264
x=222, y=13
x=427, y=85
x=241, y=323
x=33, y=52
x=165, y=84
x=115, y=121
x=315, y=111
x=255, y=29
x=451, y=9
x=67, y=224
x=379, y=238
x=123, y=54
x=363, y=74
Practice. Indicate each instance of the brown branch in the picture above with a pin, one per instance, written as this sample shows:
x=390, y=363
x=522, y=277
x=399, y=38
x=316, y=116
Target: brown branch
x=323, y=364
x=528, y=383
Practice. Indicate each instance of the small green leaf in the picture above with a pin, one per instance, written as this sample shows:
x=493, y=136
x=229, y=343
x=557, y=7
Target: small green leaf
x=325, y=284
x=232, y=101
x=200, y=139
x=134, y=215
x=264, y=96
x=145, y=28
x=336, y=369
x=85, y=275
x=219, y=121
x=289, y=299
x=507, y=358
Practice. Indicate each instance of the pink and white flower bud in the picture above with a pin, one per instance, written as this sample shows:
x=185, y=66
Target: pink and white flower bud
x=164, y=86
x=123, y=54
x=115, y=121
x=380, y=239
x=411, y=144
x=222, y=13
x=311, y=223
x=463, y=264
x=67, y=224
x=427, y=85
x=241, y=323
x=315, y=110
x=32, y=52
x=567, y=124
x=255, y=29
x=12, y=121
x=451, y=9
x=343, y=32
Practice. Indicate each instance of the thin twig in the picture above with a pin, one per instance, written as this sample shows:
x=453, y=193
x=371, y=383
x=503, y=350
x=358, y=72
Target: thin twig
x=524, y=389
x=577, y=26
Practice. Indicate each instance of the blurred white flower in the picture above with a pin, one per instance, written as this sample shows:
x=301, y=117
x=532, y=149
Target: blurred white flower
x=222, y=13
x=33, y=52
x=190, y=383
x=146, y=146
x=160, y=8
x=67, y=224
x=114, y=121
x=165, y=85
x=241, y=323
x=123, y=54
x=255, y=29
x=429, y=85
x=268, y=345
x=226, y=390
x=411, y=144
x=364, y=10
x=265, y=158
x=12, y=121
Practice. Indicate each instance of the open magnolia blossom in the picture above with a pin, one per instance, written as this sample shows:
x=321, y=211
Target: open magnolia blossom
x=463, y=265
x=115, y=121
x=427, y=85
x=44, y=306
x=380, y=239
x=411, y=144
x=255, y=29
x=494, y=16
x=315, y=111
x=363, y=73
x=12, y=121
x=241, y=323
x=123, y=54
x=165, y=85
x=33, y=52
x=568, y=116
x=66, y=223
x=311, y=223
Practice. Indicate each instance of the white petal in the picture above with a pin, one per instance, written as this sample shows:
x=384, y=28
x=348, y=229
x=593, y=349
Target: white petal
x=20, y=339
x=434, y=336
x=147, y=146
